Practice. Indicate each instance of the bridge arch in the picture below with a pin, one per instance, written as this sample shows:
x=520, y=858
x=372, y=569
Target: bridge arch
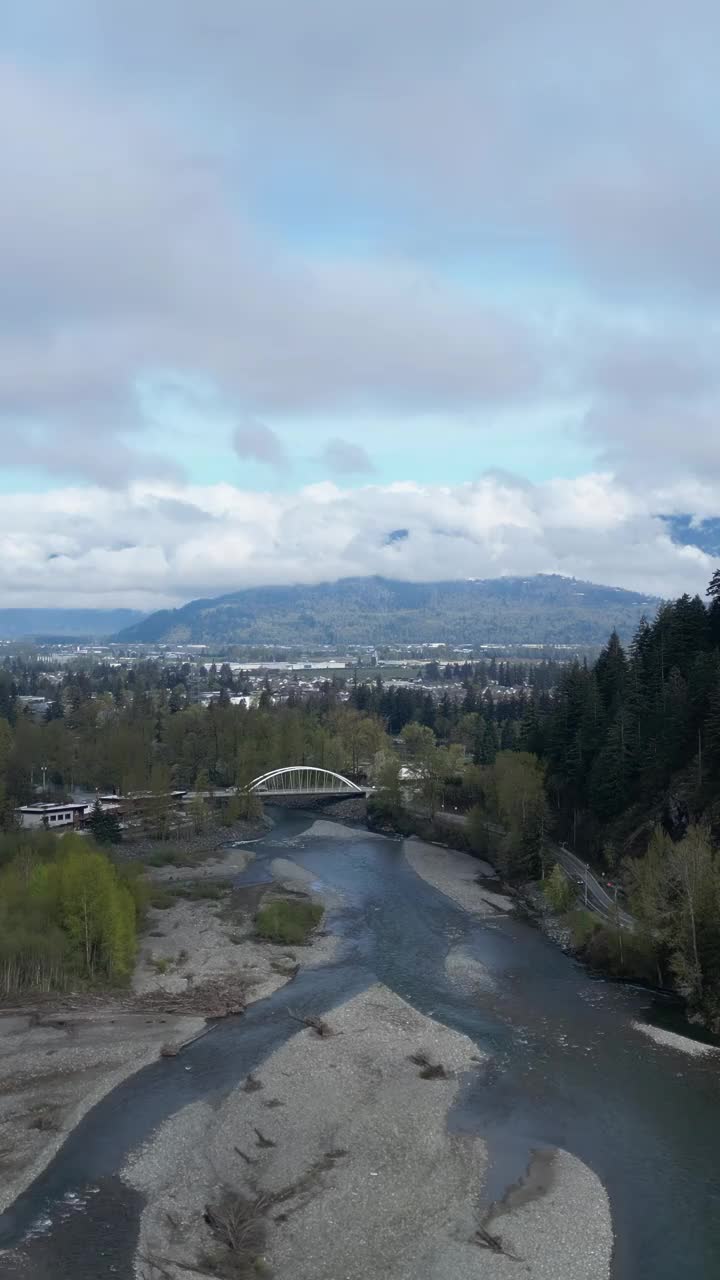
x=305, y=780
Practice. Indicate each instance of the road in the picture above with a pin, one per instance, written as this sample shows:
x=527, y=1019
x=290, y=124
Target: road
x=599, y=899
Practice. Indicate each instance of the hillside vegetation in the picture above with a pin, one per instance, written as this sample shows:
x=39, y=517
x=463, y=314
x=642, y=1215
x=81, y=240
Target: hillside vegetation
x=543, y=609
x=631, y=749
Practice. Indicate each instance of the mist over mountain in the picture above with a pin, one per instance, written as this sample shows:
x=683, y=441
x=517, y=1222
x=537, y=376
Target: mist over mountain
x=17, y=624
x=546, y=608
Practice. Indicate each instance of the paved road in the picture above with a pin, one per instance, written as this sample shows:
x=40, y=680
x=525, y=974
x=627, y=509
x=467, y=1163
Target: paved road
x=599, y=898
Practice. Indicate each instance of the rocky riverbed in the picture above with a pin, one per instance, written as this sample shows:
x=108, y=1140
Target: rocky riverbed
x=333, y=1132
x=197, y=959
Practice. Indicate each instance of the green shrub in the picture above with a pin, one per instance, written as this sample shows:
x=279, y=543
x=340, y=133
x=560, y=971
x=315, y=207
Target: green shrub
x=200, y=889
x=168, y=858
x=290, y=923
x=582, y=927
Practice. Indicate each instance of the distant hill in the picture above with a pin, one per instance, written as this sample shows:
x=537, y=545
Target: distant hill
x=545, y=609
x=78, y=624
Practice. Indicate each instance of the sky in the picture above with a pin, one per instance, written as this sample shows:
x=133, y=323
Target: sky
x=280, y=280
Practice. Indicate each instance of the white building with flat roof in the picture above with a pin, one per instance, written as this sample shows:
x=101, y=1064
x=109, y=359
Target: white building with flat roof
x=51, y=816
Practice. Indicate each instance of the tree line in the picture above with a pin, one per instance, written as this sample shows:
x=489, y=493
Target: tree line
x=68, y=916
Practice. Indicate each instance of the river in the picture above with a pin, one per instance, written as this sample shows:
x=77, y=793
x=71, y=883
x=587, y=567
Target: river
x=566, y=1068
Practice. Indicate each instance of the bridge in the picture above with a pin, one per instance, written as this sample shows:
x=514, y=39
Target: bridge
x=305, y=780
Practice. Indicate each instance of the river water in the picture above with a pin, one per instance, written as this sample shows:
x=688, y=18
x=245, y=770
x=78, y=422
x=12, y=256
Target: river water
x=564, y=1068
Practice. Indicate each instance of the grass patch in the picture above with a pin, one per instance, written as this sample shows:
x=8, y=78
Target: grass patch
x=200, y=889
x=161, y=899
x=290, y=923
x=169, y=858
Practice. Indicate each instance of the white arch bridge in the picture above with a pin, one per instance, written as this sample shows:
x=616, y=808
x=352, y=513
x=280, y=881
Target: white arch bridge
x=305, y=780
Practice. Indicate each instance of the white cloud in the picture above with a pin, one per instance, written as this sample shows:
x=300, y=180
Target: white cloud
x=156, y=544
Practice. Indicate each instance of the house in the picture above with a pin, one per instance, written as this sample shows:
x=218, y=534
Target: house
x=50, y=816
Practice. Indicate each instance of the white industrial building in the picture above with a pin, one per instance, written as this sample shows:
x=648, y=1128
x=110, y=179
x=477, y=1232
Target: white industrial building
x=51, y=816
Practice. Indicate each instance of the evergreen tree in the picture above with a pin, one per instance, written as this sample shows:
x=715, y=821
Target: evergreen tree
x=611, y=673
x=104, y=825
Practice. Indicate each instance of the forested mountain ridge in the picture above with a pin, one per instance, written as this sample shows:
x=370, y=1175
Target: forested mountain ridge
x=546, y=608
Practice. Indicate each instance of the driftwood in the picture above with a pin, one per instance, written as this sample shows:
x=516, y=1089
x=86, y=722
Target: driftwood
x=252, y=1084
x=238, y=1225
x=429, y=1070
x=321, y=1028
x=485, y=1240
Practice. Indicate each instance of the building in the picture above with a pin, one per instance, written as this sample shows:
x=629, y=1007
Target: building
x=50, y=816
x=34, y=706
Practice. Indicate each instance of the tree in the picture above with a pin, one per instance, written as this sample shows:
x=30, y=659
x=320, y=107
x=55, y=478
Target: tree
x=477, y=830
x=7, y=743
x=96, y=911
x=104, y=825
x=158, y=804
x=675, y=894
x=558, y=889
x=419, y=740
x=692, y=883
x=387, y=780
x=518, y=795
x=611, y=672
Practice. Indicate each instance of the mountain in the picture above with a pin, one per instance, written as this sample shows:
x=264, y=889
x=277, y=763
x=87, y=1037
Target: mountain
x=545, y=609
x=17, y=624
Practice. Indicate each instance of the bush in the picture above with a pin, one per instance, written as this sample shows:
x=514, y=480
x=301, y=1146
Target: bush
x=168, y=858
x=200, y=889
x=623, y=955
x=582, y=927
x=290, y=923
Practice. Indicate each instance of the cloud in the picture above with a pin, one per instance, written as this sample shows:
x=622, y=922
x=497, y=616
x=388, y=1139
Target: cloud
x=344, y=458
x=156, y=544
x=124, y=254
x=260, y=444
x=483, y=213
x=588, y=126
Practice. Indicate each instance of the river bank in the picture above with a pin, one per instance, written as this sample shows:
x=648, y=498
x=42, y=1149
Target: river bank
x=192, y=845
x=198, y=959
x=566, y=1064
x=335, y=1159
